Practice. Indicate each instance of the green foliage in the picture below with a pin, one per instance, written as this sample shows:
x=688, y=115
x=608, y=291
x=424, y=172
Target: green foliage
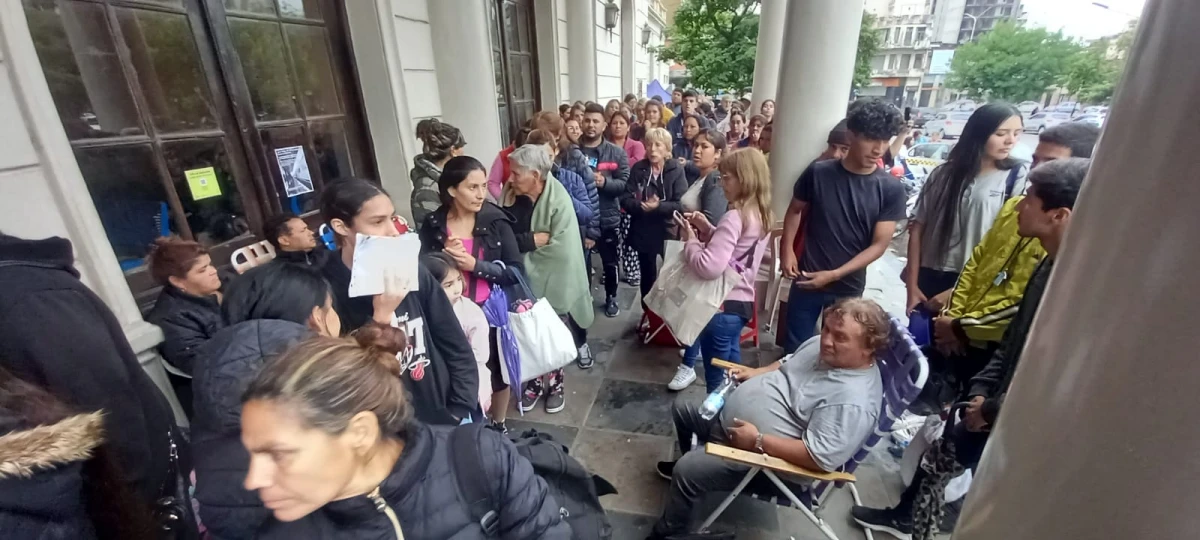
x=868, y=46
x=716, y=40
x=1012, y=63
x=1092, y=75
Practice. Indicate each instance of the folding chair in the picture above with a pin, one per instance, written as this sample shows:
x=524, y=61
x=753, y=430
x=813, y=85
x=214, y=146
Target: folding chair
x=903, y=369
x=252, y=255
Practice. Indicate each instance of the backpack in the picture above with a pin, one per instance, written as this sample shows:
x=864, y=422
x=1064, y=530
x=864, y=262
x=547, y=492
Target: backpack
x=576, y=490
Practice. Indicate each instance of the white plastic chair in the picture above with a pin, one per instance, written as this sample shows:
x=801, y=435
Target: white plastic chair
x=252, y=255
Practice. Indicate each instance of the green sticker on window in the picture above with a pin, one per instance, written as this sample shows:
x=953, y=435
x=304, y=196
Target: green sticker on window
x=203, y=183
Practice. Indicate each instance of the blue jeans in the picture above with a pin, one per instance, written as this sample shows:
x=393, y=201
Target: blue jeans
x=720, y=339
x=803, y=310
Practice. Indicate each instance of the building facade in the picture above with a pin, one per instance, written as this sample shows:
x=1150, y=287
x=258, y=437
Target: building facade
x=897, y=70
x=127, y=120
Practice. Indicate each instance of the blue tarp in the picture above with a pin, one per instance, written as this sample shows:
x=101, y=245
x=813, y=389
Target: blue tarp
x=655, y=88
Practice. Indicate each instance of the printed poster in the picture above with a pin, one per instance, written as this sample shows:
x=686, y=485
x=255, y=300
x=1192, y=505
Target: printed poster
x=294, y=170
x=203, y=183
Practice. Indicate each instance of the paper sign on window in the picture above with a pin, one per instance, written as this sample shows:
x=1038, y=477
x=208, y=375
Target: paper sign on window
x=203, y=183
x=294, y=169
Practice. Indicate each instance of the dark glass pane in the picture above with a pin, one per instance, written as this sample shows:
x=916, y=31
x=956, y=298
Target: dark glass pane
x=314, y=75
x=510, y=25
x=79, y=58
x=505, y=125
x=164, y=56
x=524, y=43
x=498, y=69
x=260, y=48
x=300, y=9
x=522, y=75
x=524, y=112
x=214, y=218
x=129, y=197
x=284, y=138
x=335, y=159
x=493, y=24
x=252, y=6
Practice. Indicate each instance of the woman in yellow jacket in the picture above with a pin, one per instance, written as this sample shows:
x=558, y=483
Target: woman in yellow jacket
x=986, y=296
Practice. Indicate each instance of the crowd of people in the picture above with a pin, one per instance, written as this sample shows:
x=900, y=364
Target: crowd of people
x=316, y=414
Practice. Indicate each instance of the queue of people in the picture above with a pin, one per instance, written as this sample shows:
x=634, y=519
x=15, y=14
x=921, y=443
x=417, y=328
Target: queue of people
x=300, y=431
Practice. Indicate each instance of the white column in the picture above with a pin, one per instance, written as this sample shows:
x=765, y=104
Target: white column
x=465, y=74
x=545, y=22
x=581, y=56
x=769, y=51
x=814, y=86
x=1097, y=437
x=630, y=38
x=38, y=154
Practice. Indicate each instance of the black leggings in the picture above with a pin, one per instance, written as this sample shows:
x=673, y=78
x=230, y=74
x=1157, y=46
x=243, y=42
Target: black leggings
x=648, y=264
x=577, y=332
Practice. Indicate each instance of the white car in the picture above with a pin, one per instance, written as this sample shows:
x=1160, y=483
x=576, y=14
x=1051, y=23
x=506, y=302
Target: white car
x=1045, y=120
x=922, y=158
x=1093, y=119
x=949, y=124
x=1096, y=109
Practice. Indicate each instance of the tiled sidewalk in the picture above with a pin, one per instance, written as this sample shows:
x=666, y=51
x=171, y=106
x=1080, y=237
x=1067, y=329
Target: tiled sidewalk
x=618, y=423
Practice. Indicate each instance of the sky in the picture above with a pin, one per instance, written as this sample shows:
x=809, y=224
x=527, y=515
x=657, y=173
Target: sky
x=1080, y=18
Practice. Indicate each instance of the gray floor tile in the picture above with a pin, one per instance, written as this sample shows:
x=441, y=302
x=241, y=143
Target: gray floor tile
x=562, y=434
x=628, y=526
x=580, y=393
x=655, y=365
x=635, y=407
x=627, y=460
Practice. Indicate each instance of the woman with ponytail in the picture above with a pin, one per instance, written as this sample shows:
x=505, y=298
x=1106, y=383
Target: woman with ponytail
x=335, y=453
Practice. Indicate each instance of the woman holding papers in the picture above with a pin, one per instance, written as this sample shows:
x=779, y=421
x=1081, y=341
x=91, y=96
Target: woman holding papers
x=478, y=236
x=438, y=367
x=548, y=234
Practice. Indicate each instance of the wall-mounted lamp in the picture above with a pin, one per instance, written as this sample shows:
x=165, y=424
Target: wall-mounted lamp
x=646, y=35
x=611, y=17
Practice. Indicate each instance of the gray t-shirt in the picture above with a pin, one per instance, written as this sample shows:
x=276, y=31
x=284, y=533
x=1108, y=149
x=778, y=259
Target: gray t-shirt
x=843, y=209
x=832, y=410
x=980, y=204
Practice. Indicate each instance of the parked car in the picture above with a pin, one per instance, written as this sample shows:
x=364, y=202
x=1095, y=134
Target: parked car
x=1045, y=120
x=922, y=115
x=962, y=105
x=948, y=124
x=923, y=157
x=1096, y=109
x=1093, y=119
x=1069, y=107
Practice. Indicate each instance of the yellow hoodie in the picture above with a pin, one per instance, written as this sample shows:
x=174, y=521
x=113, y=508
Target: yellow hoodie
x=991, y=285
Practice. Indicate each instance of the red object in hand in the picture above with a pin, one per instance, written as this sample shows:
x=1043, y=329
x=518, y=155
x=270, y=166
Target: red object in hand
x=401, y=226
x=607, y=166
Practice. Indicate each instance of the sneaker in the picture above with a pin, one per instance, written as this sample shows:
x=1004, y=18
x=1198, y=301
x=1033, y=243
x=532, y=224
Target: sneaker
x=498, y=427
x=555, y=403
x=684, y=377
x=585, y=359
x=665, y=469
x=529, y=399
x=611, y=309
x=883, y=520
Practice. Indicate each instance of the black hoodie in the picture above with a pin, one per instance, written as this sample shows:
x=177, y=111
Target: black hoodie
x=57, y=334
x=438, y=367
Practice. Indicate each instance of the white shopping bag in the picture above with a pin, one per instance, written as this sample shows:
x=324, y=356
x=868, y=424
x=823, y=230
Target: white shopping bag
x=684, y=301
x=543, y=339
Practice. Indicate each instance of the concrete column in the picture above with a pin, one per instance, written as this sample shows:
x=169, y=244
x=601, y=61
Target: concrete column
x=545, y=22
x=630, y=38
x=50, y=195
x=465, y=74
x=1097, y=437
x=581, y=42
x=769, y=51
x=821, y=41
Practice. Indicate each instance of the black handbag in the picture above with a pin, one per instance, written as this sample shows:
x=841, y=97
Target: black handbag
x=172, y=511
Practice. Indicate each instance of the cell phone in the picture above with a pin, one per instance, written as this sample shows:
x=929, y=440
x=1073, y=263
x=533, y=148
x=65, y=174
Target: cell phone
x=907, y=114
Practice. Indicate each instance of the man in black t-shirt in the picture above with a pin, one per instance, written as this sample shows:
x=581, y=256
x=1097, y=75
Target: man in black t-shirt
x=849, y=209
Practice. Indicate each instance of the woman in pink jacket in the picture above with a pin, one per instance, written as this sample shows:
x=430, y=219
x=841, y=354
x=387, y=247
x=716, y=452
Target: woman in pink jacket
x=737, y=241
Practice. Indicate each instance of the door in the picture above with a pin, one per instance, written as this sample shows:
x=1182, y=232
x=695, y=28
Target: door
x=175, y=110
x=515, y=61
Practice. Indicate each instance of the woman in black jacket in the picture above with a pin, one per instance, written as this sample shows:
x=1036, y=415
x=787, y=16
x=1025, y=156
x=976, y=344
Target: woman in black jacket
x=269, y=309
x=707, y=197
x=188, y=309
x=334, y=453
x=58, y=480
x=651, y=199
x=440, y=370
x=478, y=235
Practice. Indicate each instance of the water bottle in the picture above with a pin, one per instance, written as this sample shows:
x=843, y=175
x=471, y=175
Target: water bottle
x=716, y=400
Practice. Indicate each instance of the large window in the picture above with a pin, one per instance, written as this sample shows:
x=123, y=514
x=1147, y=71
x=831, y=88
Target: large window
x=515, y=62
x=177, y=111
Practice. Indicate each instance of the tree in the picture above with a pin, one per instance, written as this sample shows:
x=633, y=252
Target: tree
x=716, y=40
x=1093, y=73
x=868, y=46
x=1011, y=63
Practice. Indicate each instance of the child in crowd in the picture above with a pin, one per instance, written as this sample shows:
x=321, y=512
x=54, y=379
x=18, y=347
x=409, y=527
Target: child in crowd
x=470, y=316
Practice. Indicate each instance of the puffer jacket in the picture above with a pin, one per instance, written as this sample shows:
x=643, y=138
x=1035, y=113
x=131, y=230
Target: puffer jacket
x=423, y=493
x=493, y=243
x=584, y=211
x=611, y=161
x=227, y=363
x=572, y=159
x=425, y=196
x=187, y=321
x=988, y=292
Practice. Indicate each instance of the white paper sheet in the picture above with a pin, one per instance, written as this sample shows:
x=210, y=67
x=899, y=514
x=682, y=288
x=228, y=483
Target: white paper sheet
x=374, y=256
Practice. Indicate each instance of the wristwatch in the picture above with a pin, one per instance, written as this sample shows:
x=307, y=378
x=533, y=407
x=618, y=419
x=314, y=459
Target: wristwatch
x=758, y=443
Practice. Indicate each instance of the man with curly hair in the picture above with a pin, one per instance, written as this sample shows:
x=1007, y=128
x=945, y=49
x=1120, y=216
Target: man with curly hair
x=849, y=209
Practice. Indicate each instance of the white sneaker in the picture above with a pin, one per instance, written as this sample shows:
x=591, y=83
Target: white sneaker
x=684, y=377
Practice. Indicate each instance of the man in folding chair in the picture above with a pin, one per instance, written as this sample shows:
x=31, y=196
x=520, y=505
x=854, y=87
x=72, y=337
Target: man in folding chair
x=813, y=408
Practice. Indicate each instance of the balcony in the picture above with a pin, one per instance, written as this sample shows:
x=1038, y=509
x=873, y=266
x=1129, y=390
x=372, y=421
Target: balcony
x=897, y=73
x=921, y=44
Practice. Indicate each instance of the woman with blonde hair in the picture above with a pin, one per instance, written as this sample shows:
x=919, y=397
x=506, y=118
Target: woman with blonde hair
x=651, y=197
x=738, y=240
x=335, y=452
